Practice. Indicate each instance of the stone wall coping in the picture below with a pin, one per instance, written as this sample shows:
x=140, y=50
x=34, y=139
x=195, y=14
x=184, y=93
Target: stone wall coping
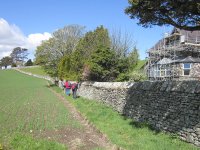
x=109, y=85
x=191, y=86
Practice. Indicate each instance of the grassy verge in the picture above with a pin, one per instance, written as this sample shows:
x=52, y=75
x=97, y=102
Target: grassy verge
x=125, y=132
x=35, y=70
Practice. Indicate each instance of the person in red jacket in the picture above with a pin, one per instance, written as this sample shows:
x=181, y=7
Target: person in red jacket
x=67, y=88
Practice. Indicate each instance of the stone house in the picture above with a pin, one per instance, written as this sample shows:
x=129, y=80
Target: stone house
x=175, y=57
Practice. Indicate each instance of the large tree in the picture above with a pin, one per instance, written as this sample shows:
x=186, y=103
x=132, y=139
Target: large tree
x=6, y=61
x=63, y=42
x=19, y=55
x=103, y=64
x=92, y=40
x=87, y=46
x=67, y=38
x=48, y=56
x=121, y=43
x=183, y=14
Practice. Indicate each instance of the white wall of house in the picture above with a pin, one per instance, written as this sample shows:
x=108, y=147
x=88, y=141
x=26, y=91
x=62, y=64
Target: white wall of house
x=8, y=67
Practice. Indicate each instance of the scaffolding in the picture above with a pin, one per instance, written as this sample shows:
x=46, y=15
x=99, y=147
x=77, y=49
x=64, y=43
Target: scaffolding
x=162, y=61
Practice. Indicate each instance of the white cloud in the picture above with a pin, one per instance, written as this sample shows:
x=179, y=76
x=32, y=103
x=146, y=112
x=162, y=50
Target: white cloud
x=35, y=39
x=11, y=37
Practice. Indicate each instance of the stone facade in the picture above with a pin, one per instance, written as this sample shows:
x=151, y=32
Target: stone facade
x=195, y=71
x=177, y=70
x=172, y=106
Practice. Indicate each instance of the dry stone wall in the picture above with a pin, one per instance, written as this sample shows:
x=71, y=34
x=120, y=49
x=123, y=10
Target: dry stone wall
x=172, y=106
x=110, y=93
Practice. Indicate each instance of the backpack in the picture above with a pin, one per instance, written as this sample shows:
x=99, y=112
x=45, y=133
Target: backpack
x=74, y=86
x=68, y=85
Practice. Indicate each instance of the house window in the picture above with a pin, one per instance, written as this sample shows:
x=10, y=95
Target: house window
x=164, y=71
x=186, y=69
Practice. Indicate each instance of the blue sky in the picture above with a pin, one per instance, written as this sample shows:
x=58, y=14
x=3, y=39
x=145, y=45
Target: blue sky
x=35, y=19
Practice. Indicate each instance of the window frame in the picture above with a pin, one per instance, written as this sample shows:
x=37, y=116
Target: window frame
x=186, y=69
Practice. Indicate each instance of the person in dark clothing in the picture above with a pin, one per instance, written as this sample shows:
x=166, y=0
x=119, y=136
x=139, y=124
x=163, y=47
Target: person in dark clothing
x=74, y=90
x=67, y=88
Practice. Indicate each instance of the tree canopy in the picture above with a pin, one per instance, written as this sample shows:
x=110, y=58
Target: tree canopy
x=94, y=56
x=6, y=61
x=63, y=42
x=121, y=43
x=19, y=55
x=74, y=63
x=183, y=14
x=103, y=65
x=29, y=63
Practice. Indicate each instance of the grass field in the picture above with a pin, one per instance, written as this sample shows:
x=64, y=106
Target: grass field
x=28, y=108
x=140, y=64
x=35, y=70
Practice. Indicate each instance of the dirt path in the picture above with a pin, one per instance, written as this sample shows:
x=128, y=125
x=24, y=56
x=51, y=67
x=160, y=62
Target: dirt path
x=84, y=139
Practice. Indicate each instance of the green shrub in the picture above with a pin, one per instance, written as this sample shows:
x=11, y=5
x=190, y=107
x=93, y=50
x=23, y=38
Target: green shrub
x=29, y=63
x=66, y=69
x=122, y=77
x=137, y=76
x=13, y=65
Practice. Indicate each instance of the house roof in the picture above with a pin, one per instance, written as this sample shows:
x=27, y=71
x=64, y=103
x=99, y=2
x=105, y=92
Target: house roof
x=189, y=59
x=164, y=61
x=190, y=37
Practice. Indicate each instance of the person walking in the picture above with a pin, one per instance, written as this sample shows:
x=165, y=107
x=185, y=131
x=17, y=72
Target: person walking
x=61, y=84
x=74, y=90
x=67, y=88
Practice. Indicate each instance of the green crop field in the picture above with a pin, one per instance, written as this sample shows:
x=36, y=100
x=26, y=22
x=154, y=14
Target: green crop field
x=28, y=107
x=35, y=70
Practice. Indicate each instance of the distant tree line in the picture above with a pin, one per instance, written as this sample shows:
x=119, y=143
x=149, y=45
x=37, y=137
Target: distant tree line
x=16, y=58
x=95, y=55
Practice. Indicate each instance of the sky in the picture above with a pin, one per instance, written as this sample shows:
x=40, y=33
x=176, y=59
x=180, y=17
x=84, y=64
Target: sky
x=26, y=23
